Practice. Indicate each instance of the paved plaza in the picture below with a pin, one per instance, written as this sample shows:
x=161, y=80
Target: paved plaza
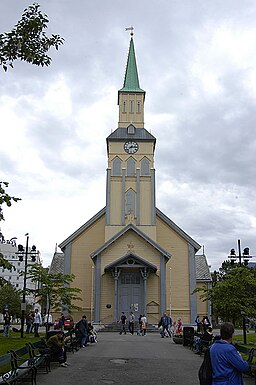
x=127, y=359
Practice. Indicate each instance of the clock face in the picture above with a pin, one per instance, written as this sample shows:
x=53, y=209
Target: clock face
x=131, y=147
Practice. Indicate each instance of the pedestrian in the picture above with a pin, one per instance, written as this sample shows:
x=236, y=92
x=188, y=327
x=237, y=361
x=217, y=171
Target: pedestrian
x=206, y=323
x=83, y=332
x=37, y=322
x=29, y=320
x=131, y=322
x=7, y=324
x=178, y=326
x=227, y=364
x=165, y=324
x=139, y=331
x=198, y=324
x=123, y=322
x=56, y=344
x=144, y=325
x=62, y=321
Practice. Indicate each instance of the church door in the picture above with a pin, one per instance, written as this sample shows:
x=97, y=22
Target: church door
x=130, y=294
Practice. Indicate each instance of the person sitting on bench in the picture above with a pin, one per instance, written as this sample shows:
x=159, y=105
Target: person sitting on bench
x=57, y=346
x=205, y=339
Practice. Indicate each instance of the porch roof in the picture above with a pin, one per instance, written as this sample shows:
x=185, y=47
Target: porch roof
x=141, y=262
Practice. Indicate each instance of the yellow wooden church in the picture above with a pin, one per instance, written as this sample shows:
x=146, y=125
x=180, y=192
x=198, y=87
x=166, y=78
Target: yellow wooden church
x=130, y=256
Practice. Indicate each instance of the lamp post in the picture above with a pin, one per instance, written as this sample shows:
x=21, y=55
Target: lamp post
x=21, y=254
x=246, y=257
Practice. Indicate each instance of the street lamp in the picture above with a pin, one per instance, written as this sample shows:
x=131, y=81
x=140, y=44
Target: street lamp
x=245, y=256
x=21, y=254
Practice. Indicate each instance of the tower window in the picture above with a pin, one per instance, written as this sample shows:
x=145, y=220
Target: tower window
x=144, y=166
x=138, y=107
x=116, y=169
x=124, y=106
x=130, y=202
x=131, y=129
x=130, y=167
x=131, y=106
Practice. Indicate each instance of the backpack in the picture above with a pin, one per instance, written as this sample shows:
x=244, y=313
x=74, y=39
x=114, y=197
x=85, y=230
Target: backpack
x=205, y=370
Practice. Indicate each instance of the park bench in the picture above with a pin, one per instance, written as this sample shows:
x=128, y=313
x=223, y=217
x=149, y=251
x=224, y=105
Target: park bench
x=72, y=341
x=249, y=354
x=41, y=359
x=16, y=366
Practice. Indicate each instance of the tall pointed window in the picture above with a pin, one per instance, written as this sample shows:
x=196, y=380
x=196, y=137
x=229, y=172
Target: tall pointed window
x=130, y=202
x=144, y=166
x=131, y=106
x=131, y=167
x=116, y=168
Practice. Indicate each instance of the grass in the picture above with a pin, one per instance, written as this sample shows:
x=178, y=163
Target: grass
x=250, y=339
x=15, y=342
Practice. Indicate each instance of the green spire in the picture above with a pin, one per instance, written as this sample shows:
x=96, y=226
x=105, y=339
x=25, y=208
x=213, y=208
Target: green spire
x=131, y=79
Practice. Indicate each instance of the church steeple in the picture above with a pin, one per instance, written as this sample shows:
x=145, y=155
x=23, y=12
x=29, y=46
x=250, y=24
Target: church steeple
x=131, y=97
x=131, y=79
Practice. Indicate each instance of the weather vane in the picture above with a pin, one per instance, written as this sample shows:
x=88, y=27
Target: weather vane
x=130, y=29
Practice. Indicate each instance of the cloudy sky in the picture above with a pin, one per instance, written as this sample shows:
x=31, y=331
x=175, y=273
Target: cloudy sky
x=197, y=63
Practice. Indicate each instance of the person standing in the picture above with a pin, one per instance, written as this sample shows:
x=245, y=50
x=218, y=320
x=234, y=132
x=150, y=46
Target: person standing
x=227, y=364
x=198, y=324
x=144, y=325
x=123, y=322
x=7, y=324
x=131, y=322
x=29, y=320
x=82, y=328
x=37, y=322
x=165, y=322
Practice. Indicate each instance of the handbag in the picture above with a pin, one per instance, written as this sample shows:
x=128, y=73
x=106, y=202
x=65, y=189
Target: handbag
x=205, y=370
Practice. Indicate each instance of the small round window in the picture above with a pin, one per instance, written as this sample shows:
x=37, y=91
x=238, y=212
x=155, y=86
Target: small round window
x=130, y=262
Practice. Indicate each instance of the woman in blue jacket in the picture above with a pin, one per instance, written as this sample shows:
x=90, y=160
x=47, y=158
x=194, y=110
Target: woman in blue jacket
x=227, y=364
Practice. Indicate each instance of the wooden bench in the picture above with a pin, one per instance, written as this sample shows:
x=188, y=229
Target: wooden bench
x=16, y=365
x=249, y=354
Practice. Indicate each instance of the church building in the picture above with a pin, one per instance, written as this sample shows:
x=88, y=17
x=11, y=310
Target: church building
x=130, y=256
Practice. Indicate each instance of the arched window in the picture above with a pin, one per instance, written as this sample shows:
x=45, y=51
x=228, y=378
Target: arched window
x=144, y=166
x=124, y=106
x=130, y=167
x=130, y=202
x=138, y=107
x=116, y=169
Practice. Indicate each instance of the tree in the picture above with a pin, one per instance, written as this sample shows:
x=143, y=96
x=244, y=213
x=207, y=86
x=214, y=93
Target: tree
x=5, y=198
x=10, y=296
x=54, y=291
x=234, y=294
x=27, y=41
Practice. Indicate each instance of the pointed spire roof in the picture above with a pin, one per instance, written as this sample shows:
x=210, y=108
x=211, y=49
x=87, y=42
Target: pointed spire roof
x=131, y=79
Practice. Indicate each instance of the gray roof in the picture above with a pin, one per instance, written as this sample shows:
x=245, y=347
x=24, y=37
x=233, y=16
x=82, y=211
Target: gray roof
x=57, y=265
x=139, y=134
x=202, y=268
